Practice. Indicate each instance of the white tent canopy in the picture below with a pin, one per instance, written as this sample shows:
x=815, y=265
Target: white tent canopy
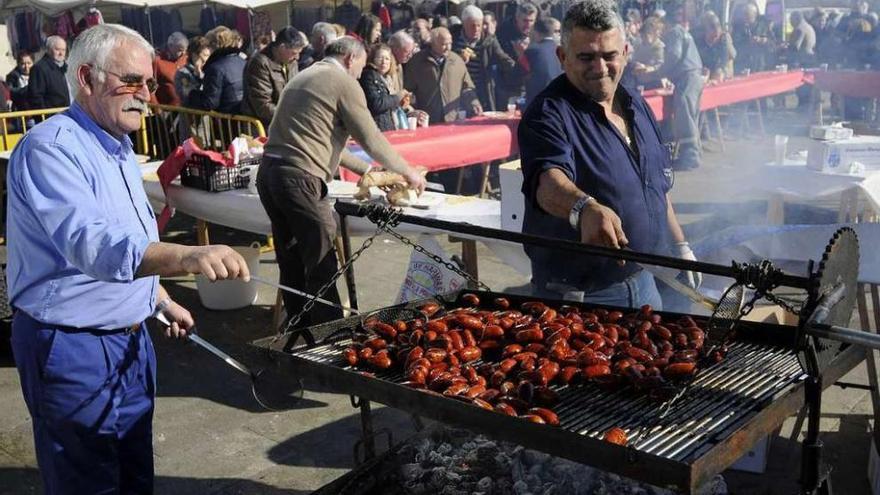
x=55, y=7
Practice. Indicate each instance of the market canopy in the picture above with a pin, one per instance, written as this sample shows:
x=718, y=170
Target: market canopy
x=56, y=7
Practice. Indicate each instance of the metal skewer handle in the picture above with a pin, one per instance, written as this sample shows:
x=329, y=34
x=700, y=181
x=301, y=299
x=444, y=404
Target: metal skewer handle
x=304, y=294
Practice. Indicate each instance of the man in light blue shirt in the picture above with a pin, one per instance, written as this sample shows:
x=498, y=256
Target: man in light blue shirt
x=83, y=274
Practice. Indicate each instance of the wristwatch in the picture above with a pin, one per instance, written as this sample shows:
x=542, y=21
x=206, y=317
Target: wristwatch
x=574, y=216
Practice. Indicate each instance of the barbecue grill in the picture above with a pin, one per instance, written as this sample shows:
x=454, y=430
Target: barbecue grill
x=770, y=373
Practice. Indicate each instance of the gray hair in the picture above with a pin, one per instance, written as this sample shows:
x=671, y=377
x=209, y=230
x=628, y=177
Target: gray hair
x=400, y=39
x=177, y=39
x=593, y=15
x=526, y=8
x=471, y=12
x=54, y=40
x=345, y=46
x=94, y=46
x=324, y=28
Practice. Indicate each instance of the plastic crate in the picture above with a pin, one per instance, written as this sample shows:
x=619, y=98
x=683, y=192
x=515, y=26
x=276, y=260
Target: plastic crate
x=202, y=173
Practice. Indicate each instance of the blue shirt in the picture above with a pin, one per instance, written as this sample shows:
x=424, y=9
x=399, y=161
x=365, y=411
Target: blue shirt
x=78, y=225
x=566, y=130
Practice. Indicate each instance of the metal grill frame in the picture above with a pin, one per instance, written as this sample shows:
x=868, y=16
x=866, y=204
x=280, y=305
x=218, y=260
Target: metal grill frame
x=712, y=456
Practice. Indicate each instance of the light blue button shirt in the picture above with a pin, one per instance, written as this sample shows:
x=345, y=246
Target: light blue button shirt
x=78, y=225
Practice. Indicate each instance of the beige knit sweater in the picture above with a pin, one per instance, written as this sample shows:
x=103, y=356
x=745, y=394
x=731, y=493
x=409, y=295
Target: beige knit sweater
x=319, y=109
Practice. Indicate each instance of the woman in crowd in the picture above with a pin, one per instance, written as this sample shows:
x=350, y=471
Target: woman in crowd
x=17, y=80
x=384, y=97
x=223, y=82
x=189, y=77
x=648, y=57
x=368, y=30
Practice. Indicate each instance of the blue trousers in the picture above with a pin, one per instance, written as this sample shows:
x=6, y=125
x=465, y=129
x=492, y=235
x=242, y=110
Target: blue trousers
x=633, y=292
x=90, y=396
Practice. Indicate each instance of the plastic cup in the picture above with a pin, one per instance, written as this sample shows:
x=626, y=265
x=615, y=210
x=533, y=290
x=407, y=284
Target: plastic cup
x=780, y=145
x=413, y=122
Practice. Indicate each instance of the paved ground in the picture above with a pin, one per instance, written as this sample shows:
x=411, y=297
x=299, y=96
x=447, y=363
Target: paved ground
x=210, y=437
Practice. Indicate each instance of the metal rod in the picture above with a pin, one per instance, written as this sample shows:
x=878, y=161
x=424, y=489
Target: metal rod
x=346, y=208
x=303, y=294
x=217, y=352
x=846, y=335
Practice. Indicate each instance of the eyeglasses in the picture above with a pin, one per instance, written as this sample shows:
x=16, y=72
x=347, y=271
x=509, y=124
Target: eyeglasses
x=132, y=83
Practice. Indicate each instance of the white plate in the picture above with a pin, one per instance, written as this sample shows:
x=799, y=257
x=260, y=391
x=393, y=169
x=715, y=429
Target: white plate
x=428, y=200
x=496, y=115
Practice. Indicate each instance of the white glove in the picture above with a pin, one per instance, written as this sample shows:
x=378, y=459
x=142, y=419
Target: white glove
x=683, y=250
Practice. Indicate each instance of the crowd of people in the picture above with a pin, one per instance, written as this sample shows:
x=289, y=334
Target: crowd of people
x=471, y=62
x=753, y=43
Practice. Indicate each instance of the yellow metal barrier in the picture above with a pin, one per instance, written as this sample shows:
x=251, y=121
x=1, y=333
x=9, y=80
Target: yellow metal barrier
x=168, y=126
x=13, y=125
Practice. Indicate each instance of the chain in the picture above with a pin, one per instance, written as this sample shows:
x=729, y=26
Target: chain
x=385, y=219
x=392, y=214
x=438, y=259
x=310, y=303
x=791, y=307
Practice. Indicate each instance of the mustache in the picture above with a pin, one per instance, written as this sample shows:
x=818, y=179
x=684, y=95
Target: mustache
x=135, y=104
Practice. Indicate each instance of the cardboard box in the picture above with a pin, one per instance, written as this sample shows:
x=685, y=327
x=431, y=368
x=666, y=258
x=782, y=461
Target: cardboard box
x=512, y=199
x=836, y=156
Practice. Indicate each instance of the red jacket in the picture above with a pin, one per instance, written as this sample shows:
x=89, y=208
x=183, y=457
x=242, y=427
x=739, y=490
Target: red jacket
x=164, y=71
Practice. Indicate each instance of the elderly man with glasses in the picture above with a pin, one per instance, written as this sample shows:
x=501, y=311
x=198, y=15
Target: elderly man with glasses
x=84, y=262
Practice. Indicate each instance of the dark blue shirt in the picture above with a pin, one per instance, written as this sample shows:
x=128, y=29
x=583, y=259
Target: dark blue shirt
x=564, y=129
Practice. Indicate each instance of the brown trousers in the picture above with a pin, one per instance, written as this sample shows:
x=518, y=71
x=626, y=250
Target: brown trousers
x=304, y=229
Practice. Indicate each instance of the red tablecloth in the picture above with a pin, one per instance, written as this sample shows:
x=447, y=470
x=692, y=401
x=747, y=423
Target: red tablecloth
x=446, y=146
x=738, y=90
x=857, y=84
x=656, y=99
x=755, y=86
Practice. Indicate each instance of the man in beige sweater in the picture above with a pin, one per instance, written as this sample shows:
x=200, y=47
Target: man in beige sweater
x=319, y=109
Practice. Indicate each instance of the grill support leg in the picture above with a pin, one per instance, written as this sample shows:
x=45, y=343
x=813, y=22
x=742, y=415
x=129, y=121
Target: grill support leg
x=814, y=474
x=368, y=440
x=349, y=274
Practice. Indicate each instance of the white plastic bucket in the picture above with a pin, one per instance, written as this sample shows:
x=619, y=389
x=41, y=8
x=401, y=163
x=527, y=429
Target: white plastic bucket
x=231, y=294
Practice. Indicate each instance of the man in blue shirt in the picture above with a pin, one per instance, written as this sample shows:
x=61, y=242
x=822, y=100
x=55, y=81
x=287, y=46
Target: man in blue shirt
x=595, y=168
x=83, y=274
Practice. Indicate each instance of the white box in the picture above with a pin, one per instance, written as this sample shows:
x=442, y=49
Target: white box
x=830, y=132
x=755, y=460
x=836, y=156
x=512, y=199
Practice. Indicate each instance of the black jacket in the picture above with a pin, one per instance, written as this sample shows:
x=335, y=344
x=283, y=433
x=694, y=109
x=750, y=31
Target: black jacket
x=380, y=101
x=223, y=84
x=17, y=93
x=543, y=67
x=47, y=87
x=492, y=61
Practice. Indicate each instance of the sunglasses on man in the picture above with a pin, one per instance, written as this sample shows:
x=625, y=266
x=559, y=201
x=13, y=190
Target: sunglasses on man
x=132, y=83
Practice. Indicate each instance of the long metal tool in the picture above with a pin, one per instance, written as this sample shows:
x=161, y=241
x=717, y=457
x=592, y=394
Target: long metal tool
x=271, y=389
x=304, y=294
x=783, y=279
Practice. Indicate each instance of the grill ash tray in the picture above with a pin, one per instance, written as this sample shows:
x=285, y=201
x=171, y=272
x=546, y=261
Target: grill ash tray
x=730, y=406
x=455, y=461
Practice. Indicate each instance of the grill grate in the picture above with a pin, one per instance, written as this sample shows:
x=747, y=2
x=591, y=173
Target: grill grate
x=721, y=395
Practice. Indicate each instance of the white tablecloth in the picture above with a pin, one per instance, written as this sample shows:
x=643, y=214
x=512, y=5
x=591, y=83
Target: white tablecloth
x=795, y=180
x=241, y=209
x=790, y=245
